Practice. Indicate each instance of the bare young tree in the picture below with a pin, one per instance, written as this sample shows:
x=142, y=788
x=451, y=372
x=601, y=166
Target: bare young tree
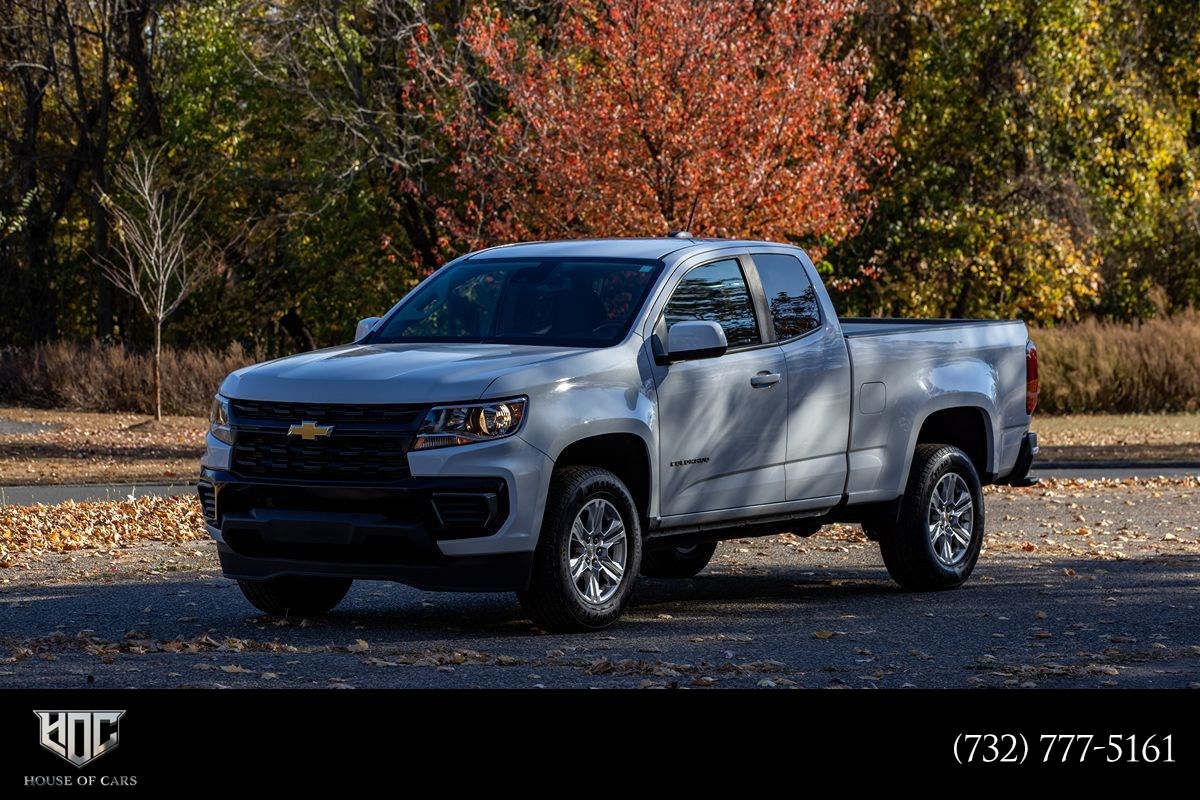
x=156, y=259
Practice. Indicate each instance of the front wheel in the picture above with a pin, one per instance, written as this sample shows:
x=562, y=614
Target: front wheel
x=939, y=534
x=588, y=554
x=297, y=596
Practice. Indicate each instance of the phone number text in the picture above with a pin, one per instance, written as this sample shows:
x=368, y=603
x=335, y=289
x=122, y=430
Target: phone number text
x=1017, y=748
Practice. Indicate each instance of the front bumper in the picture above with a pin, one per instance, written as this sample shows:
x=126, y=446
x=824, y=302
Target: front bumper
x=466, y=520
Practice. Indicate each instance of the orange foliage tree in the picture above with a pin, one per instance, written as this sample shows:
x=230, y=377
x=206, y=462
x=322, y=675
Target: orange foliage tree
x=621, y=117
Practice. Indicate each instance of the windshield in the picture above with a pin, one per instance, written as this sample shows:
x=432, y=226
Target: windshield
x=555, y=302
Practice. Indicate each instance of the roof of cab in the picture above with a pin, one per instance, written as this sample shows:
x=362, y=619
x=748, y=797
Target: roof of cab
x=650, y=248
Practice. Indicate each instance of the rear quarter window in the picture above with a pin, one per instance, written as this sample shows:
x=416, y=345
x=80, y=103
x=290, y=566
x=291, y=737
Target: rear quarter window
x=791, y=296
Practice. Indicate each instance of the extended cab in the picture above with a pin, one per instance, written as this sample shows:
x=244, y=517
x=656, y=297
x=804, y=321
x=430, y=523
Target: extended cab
x=556, y=418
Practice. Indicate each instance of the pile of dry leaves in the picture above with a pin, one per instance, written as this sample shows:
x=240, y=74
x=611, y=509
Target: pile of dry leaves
x=37, y=530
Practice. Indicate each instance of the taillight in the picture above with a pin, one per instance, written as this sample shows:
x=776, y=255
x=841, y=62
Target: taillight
x=1031, y=377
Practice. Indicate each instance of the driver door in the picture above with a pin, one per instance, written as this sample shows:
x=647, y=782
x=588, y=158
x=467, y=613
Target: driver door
x=723, y=420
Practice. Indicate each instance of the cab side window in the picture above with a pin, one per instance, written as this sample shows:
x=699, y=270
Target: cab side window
x=790, y=295
x=716, y=293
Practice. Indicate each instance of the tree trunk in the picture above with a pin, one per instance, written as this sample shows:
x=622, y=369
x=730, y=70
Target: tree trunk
x=964, y=294
x=138, y=17
x=158, y=370
x=302, y=338
x=420, y=225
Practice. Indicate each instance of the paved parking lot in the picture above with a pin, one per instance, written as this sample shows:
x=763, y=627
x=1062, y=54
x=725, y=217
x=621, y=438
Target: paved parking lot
x=1082, y=585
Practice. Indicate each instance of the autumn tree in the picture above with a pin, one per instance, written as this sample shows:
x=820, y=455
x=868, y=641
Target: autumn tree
x=374, y=71
x=69, y=69
x=623, y=117
x=1048, y=160
x=1046, y=164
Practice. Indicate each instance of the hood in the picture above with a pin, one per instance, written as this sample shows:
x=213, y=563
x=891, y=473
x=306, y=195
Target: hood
x=387, y=373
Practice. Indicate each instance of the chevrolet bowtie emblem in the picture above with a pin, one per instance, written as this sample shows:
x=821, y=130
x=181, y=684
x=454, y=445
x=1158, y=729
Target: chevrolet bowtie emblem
x=310, y=430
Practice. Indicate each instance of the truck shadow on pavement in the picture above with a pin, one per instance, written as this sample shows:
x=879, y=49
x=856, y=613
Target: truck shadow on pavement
x=1129, y=595
x=183, y=607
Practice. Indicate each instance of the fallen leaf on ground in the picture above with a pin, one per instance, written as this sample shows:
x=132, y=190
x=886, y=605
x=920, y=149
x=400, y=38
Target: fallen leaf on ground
x=379, y=662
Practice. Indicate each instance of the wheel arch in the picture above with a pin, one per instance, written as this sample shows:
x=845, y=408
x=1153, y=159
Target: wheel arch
x=626, y=455
x=969, y=427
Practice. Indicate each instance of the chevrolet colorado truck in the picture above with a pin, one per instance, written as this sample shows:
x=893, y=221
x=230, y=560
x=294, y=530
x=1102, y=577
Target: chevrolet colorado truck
x=557, y=418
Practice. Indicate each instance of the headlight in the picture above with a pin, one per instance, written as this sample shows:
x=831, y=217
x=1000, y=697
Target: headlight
x=218, y=420
x=447, y=426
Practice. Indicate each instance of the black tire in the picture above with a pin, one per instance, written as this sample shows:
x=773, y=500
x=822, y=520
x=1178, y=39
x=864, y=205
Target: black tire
x=677, y=562
x=302, y=597
x=552, y=600
x=908, y=547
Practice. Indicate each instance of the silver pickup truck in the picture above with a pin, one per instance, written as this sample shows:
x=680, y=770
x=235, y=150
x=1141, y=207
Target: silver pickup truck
x=557, y=418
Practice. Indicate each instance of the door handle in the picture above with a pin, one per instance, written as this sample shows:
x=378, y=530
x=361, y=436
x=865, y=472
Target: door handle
x=764, y=379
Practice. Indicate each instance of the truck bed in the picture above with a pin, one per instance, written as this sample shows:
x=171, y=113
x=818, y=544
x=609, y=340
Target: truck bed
x=879, y=326
x=903, y=370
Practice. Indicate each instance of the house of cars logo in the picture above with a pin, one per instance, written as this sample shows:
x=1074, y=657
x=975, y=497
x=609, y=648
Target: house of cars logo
x=79, y=736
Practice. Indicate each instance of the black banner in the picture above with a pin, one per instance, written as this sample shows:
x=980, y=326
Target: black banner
x=164, y=741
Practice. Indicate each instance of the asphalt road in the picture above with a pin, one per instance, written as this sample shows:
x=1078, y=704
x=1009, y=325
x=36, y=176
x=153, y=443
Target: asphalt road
x=1088, y=588
x=53, y=493
x=1115, y=470
x=10, y=427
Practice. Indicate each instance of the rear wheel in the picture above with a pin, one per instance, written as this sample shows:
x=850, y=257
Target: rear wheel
x=936, y=541
x=677, y=562
x=588, y=553
x=295, y=596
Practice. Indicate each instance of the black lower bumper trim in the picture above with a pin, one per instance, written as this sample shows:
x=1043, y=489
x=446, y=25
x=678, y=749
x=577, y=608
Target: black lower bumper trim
x=444, y=507
x=492, y=573
x=1020, y=474
x=380, y=532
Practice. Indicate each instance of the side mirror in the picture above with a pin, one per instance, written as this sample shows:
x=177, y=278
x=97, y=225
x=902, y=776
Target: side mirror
x=364, y=327
x=691, y=340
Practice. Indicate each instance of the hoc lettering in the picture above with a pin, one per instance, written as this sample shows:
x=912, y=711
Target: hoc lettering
x=79, y=736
